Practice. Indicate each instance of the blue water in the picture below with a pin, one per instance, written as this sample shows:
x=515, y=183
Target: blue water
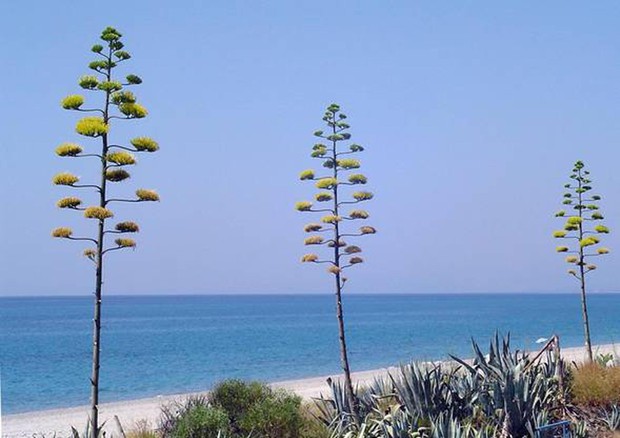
x=162, y=345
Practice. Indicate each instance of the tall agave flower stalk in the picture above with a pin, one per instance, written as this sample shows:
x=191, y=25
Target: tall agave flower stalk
x=580, y=229
x=116, y=103
x=332, y=200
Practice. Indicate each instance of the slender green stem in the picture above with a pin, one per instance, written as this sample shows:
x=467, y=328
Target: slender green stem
x=582, y=279
x=339, y=283
x=94, y=380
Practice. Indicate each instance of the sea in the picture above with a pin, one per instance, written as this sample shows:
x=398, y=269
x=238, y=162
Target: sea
x=156, y=345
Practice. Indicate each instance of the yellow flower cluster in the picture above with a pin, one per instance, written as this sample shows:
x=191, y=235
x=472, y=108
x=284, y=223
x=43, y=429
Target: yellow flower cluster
x=147, y=195
x=97, y=213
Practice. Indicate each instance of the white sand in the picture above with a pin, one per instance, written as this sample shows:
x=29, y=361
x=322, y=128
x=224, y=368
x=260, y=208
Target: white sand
x=58, y=421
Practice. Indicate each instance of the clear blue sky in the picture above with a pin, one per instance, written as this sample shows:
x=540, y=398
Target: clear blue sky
x=472, y=114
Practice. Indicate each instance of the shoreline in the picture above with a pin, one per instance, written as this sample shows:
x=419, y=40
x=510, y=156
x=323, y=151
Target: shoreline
x=58, y=421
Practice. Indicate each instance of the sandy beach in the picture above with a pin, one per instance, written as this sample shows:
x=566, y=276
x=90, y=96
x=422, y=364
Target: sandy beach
x=58, y=421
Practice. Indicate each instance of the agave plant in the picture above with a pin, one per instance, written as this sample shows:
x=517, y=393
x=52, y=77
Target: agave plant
x=338, y=414
x=503, y=393
x=396, y=423
x=580, y=429
x=515, y=388
x=612, y=418
x=423, y=389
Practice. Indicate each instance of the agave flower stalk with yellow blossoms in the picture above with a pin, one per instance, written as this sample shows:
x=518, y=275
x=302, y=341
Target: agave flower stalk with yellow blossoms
x=583, y=230
x=116, y=103
x=333, y=202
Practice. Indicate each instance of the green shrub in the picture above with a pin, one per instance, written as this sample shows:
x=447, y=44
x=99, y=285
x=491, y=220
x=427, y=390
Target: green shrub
x=201, y=421
x=277, y=416
x=236, y=397
x=312, y=426
x=238, y=409
x=254, y=408
x=192, y=418
x=596, y=386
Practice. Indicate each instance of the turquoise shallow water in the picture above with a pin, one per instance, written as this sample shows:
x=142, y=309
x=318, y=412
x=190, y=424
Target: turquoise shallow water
x=159, y=345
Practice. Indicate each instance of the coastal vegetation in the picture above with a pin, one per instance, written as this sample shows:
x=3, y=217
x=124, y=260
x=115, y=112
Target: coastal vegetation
x=583, y=231
x=116, y=102
x=501, y=392
x=342, y=172
x=236, y=409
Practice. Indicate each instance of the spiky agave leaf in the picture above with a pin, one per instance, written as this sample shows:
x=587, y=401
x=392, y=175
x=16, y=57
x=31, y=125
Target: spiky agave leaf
x=68, y=150
x=97, y=212
x=147, y=195
x=62, y=232
x=65, y=179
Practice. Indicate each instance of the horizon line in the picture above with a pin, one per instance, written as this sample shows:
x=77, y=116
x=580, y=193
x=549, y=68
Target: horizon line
x=290, y=294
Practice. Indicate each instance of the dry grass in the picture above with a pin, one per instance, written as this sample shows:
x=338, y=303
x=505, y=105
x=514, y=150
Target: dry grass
x=595, y=385
x=141, y=429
